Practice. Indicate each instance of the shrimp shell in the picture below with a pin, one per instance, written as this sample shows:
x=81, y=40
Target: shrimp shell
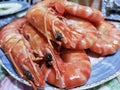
x=108, y=40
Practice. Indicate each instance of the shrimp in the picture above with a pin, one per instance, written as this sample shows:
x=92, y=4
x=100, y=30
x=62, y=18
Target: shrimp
x=109, y=39
x=40, y=47
x=19, y=51
x=29, y=51
x=54, y=26
x=76, y=70
x=91, y=14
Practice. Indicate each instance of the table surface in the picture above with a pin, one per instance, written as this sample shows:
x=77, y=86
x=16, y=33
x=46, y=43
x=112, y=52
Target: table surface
x=7, y=81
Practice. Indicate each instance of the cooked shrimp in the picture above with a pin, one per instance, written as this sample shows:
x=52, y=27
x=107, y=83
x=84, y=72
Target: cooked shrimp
x=40, y=47
x=76, y=69
x=78, y=10
x=55, y=27
x=19, y=51
x=109, y=39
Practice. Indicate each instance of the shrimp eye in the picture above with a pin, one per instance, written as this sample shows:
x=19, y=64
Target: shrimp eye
x=49, y=64
x=48, y=60
x=58, y=36
x=29, y=75
x=48, y=57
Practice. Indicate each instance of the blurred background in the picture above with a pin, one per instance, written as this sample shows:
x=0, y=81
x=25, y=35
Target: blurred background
x=28, y=1
x=83, y=2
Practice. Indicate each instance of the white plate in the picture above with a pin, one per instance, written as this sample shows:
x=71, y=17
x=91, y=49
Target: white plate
x=103, y=70
x=11, y=7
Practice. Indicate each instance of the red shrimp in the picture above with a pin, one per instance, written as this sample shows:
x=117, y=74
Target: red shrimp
x=76, y=69
x=19, y=51
x=86, y=12
x=53, y=25
x=109, y=39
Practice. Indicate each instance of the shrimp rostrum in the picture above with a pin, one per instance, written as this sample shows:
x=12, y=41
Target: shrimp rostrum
x=37, y=62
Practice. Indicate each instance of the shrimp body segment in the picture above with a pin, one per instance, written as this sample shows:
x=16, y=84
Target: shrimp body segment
x=84, y=31
x=91, y=14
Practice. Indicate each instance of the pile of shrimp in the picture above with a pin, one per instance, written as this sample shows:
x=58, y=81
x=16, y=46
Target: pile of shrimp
x=49, y=43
